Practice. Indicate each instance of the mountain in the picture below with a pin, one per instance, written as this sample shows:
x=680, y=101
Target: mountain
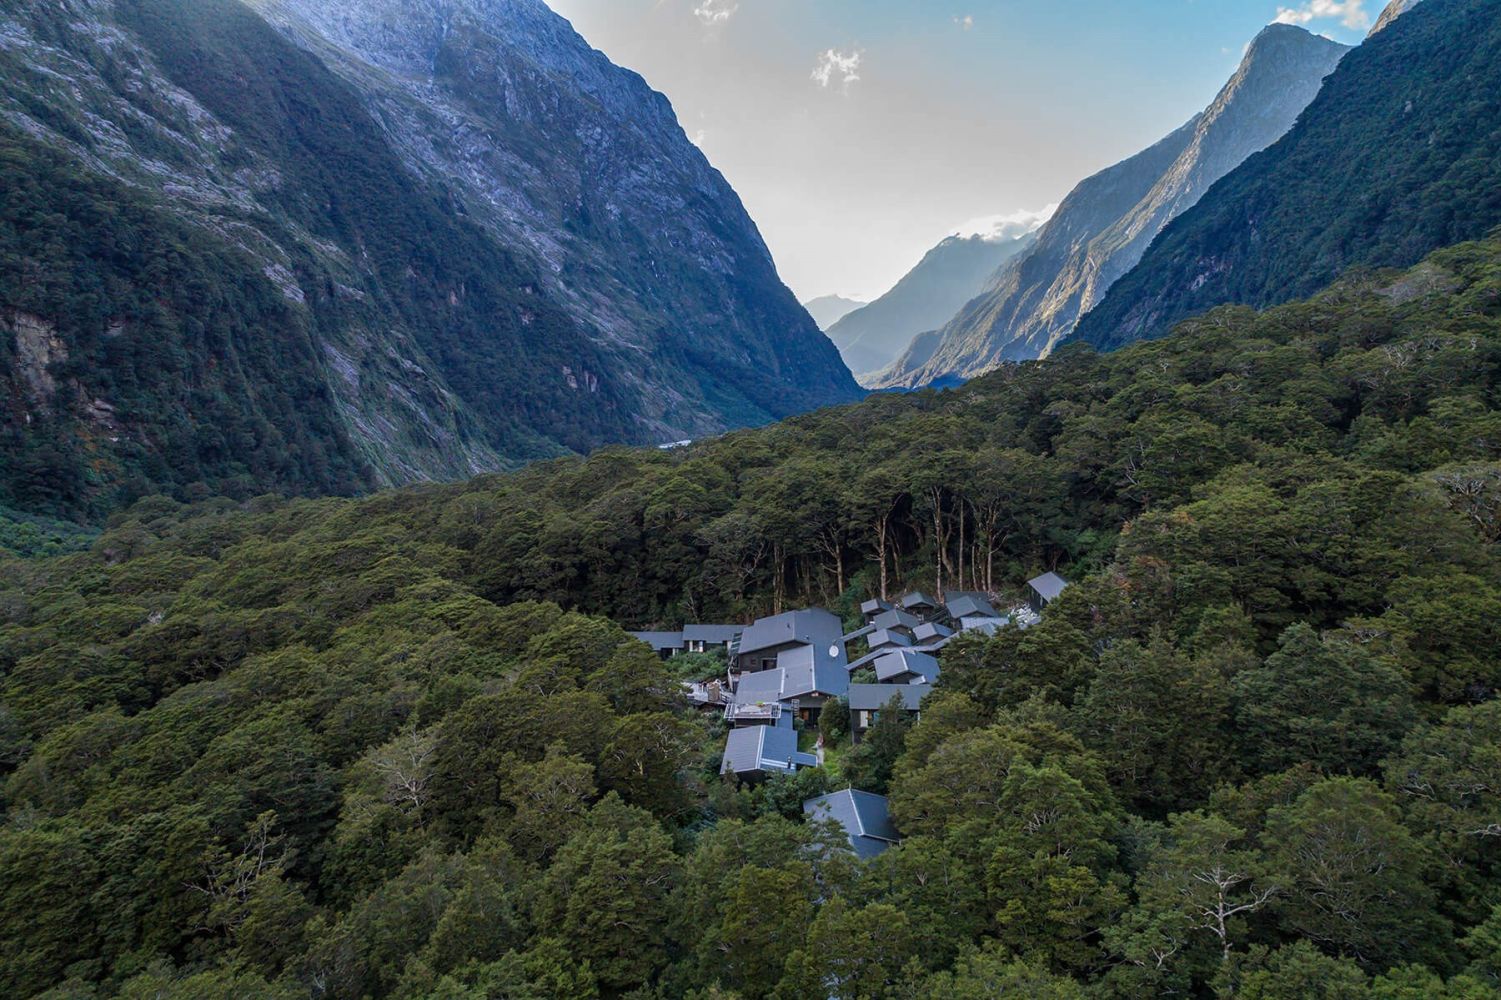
x=1103, y=227
x=1393, y=10
x=948, y=276
x=1400, y=154
x=323, y=246
x=827, y=310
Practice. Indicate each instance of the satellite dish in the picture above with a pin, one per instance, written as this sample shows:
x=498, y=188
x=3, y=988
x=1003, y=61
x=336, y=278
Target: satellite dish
x=834, y=651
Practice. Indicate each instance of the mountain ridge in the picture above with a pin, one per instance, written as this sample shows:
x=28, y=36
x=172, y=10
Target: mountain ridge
x=827, y=310
x=1033, y=305
x=1398, y=155
x=462, y=306
x=948, y=276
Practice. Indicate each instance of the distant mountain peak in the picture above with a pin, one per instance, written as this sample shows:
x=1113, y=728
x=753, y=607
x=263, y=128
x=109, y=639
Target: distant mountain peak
x=949, y=275
x=1108, y=220
x=1359, y=181
x=827, y=310
x=1275, y=32
x=1002, y=228
x=1393, y=10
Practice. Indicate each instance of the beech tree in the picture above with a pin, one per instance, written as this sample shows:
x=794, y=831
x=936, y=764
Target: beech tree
x=1353, y=874
x=1322, y=700
x=1206, y=872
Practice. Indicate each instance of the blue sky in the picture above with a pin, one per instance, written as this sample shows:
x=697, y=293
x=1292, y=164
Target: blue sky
x=860, y=132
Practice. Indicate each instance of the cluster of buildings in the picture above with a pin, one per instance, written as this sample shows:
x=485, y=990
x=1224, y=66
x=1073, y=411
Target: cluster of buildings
x=786, y=668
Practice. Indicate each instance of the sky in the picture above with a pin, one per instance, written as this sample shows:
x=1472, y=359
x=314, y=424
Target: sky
x=859, y=133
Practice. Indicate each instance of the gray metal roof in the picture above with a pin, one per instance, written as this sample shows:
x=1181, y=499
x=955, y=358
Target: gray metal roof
x=812, y=627
x=873, y=697
x=865, y=818
x=917, y=599
x=899, y=663
x=1048, y=586
x=985, y=626
x=660, y=640
x=763, y=748
x=858, y=633
x=896, y=619
x=763, y=686
x=928, y=631
x=810, y=670
x=884, y=637
x=874, y=607
x=714, y=634
x=970, y=606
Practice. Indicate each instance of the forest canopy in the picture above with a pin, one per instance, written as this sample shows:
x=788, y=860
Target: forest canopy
x=401, y=747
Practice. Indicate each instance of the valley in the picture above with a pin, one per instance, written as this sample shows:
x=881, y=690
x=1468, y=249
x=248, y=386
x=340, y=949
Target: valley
x=440, y=559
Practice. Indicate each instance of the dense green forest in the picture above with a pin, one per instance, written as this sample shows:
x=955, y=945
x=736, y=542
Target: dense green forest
x=1400, y=154
x=212, y=381
x=392, y=747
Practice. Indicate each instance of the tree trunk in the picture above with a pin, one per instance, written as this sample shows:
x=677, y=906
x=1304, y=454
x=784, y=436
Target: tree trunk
x=881, y=530
x=938, y=544
x=779, y=585
x=961, y=545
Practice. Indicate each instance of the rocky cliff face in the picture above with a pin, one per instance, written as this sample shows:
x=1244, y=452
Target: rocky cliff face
x=379, y=242
x=948, y=276
x=553, y=148
x=1399, y=155
x=965, y=344
x=1094, y=240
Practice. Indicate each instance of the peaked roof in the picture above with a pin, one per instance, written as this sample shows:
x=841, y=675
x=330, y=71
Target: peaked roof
x=917, y=599
x=928, y=631
x=810, y=670
x=873, y=697
x=811, y=627
x=1048, y=586
x=906, y=661
x=865, y=818
x=763, y=748
x=886, y=637
x=896, y=618
x=971, y=606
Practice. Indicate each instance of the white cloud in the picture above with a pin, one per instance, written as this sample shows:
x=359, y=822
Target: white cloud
x=1351, y=13
x=716, y=11
x=835, y=67
x=997, y=228
x=966, y=22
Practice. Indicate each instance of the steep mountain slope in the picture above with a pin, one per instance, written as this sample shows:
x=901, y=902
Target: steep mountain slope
x=1087, y=211
x=1392, y=11
x=948, y=276
x=827, y=310
x=1400, y=153
x=228, y=269
x=550, y=146
x=1091, y=244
